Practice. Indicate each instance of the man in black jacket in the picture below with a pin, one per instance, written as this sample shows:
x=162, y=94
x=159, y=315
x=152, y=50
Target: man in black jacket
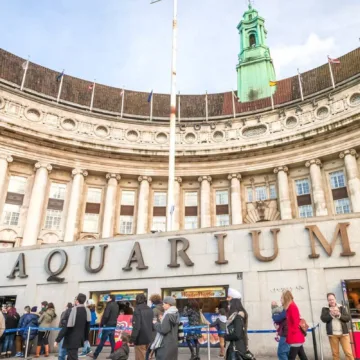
x=142, y=323
x=109, y=320
x=77, y=328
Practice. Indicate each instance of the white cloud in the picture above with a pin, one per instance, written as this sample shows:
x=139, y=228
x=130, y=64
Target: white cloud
x=306, y=56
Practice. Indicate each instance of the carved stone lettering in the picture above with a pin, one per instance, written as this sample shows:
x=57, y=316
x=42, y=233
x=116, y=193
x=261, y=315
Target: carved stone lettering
x=136, y=256
x=221, y=249
x=19, y=267
x=182, y=253
x=64, y=259
x=341, y=229
x=256, y=245
x=89, y=251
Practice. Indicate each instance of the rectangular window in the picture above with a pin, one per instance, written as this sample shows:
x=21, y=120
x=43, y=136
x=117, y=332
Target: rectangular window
x=126, y=224
x=94, y=196
x=57, y=191
x=191, y=222
x=53, y=219
x=342, y=206
x=11, y=214
x=337, y=179
x=302, y=187
x=260, y=193
x=191, y=199
x=305, y=211
x=273, y=194
x=159, y=223
x=17, y=185
x=91, y=223
x=92, y=210
x=222, y=197
x=250, y=194
x=128, y=197
x=222, y=220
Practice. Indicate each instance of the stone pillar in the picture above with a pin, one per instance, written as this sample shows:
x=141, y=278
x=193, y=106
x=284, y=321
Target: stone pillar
x=143, y=205
x=284, y=194
x=72, y=220
x=34, y=217
x=205, y=214
x=317, y=187
x=236, y=211
x=353, y=178
x=176, y=215
x=110, y=205
x=4, y=164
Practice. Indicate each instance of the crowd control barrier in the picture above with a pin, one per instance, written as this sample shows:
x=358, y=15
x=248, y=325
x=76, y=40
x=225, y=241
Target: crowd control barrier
x=313, y=330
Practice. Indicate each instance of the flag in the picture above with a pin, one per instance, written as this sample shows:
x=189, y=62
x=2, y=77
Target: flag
x=333, y=61
x=24, y=65
x=272, y=83
x=150, y=96
x=58, y=78
x=91, y=87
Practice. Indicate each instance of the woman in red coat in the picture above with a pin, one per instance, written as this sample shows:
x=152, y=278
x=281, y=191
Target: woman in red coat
x=295, y=338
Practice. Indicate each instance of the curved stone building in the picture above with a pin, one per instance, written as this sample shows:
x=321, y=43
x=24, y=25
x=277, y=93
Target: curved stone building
x=265, y=199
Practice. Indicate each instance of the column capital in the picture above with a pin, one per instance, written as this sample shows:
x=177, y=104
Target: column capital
x=234, y=176
x=313, y=162
x=78, y=171
x=281, y=168
x=145, y=178
x=6, y=157
x=113, y=176
x=45, y=165
x=348, y=152
x=205, y=177
x=178, y=179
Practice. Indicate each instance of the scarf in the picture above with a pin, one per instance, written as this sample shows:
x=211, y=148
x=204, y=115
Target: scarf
x=72, y=316
x=232, y=318
x=159, y=337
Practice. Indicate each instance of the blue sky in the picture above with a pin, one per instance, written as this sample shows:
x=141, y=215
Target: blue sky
x=128, y=42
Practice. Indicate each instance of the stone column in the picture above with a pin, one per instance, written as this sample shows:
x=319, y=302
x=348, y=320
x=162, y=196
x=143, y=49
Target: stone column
x=143, y=205
x=317, y=187
x=110, y=205
x=34, y=217
x=284, y=195
x=4, y=164
x=205, y=214
x=353, y=178
x=176, y=215
x=72, y=220
x=236, y=211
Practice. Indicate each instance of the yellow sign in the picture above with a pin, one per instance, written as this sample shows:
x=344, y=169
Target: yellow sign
x=272, y=83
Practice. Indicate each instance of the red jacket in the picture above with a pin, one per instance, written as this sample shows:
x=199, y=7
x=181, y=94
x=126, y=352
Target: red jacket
x=294, y=336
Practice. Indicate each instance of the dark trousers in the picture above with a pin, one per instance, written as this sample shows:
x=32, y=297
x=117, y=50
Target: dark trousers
x=72, y=354
x=297, y=351
x=104, y=335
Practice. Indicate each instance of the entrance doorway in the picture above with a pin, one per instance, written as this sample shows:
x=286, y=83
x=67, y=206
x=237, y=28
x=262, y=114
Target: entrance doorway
x=8, y=299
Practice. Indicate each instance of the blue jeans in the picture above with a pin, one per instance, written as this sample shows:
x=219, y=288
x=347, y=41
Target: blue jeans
x=8, y=343
x=283, y=349
x=104, y=335
x=62, y=351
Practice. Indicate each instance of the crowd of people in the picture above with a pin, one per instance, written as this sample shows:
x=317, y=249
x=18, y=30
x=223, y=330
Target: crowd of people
x=157, y=329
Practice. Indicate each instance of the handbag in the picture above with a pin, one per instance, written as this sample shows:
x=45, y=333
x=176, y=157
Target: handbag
x=303, y=326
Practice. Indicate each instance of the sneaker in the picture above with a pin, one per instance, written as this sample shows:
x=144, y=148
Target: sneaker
x=19, y=354
x=82, y=354
x=88, y=351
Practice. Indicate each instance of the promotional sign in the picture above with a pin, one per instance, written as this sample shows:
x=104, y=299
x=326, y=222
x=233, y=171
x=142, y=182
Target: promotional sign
x=120, y=296
x=124, y=322
x=199, y=294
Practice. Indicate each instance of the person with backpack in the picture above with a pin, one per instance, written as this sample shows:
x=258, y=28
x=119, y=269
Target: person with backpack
x=336, y=318
x=295, y=337
x=29, y=322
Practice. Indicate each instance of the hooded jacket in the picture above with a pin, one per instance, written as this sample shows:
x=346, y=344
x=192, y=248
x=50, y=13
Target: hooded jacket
x=26, y=321
x=12, y=321
x=121, y=354
x=47, y=318
x=327, y=318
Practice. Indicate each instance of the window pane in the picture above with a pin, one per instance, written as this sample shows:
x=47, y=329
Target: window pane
x=94, y=196
x=305, y=211
x=17, y=184
x=126, y=224
x=273, y=194
x=191, y=222
x=159, y=223
x=191, y=199
x=342, y=206
x=160, y=199
x=250, y=194
x=11, y=214
x=57, y=191
x=337, y=179
x=302, y=187
x=128, y=197
x=260, y=193
x=91, y=223
x=222, y=197
x=53, y=219
x=222, y=220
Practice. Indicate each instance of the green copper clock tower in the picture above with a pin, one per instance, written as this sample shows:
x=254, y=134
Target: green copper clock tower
x=255, y=68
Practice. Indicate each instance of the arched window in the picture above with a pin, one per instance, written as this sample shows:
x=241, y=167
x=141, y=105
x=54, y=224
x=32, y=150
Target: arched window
x=252, y=40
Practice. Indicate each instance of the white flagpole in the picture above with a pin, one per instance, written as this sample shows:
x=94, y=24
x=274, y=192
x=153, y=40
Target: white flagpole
x=60, y=87
x=122, y=101
x=151, y=105
x=206, y=106
x=272, y=100
x=24, y=75
x=179, y=118
x=233, y=103
x=331, y=74
x=300, y=85
x=92, y=96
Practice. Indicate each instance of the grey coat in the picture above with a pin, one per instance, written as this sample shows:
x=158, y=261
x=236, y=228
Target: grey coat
x=169, y=329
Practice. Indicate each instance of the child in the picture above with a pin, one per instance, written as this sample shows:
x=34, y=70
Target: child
x=123, y=352
x=220, y=324
x=276, y=310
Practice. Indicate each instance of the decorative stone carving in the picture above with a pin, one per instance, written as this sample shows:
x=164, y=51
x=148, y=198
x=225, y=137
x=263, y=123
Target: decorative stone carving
x=79, y=171
x=145, y=178
x=322, y=112
x=349, y=152
x=354, y=99
x=262, y=211
x=7, y=157
x=313, y=161
x=178, y=179
x=102, y=131
x=234, y=176
x=291, y=122
x=253, y=131
x=281, y=168
x=190, y=138
x=218, y=136
x=68, y=124
x=113, y=176
x=33, y=114
x=202, y=178
x=161, y=138
x=132, y=135
x=45, y=165
x=2, y=103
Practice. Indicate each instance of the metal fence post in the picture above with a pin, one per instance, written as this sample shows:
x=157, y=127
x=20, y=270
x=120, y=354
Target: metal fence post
x=321, y=343
x=313, y=333
x=208, y=342
x=27, y=343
